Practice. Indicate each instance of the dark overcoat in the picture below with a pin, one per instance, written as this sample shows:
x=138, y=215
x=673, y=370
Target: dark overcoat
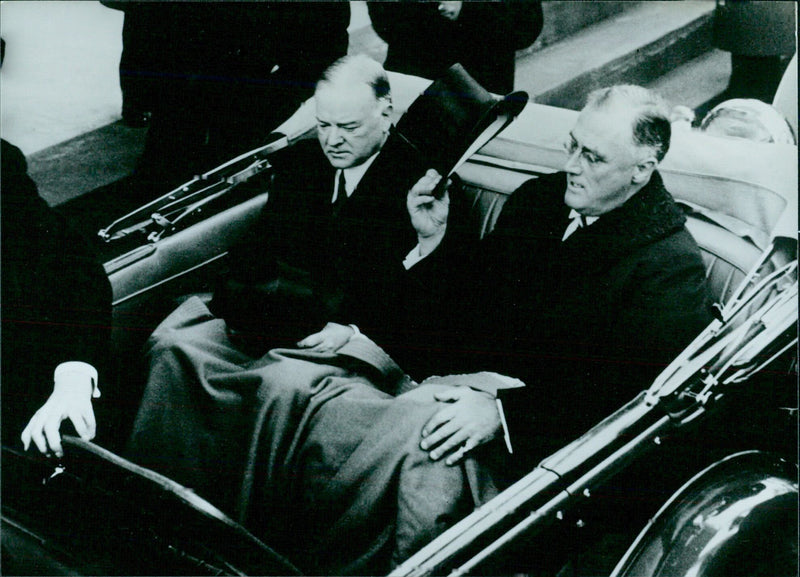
x=589, y=322
x=324, y=262
x=56, y=297
x=301, y=266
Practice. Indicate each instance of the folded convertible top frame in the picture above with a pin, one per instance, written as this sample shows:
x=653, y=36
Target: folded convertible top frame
x=166, y=212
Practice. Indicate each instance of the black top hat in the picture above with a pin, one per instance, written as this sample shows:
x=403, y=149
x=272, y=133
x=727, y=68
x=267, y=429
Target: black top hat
x=455, y=117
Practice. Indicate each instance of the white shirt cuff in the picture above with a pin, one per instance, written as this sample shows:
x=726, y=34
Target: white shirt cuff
x=413, y=257
x=72, y=370
x=506, y=435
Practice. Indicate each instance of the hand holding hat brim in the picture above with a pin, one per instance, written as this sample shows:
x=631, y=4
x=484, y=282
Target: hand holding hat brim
x=455, y=117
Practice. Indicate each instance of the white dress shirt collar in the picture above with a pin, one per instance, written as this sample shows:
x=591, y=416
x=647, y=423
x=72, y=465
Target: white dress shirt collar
x=576, y=221
x=352, y=176
x=590, y=220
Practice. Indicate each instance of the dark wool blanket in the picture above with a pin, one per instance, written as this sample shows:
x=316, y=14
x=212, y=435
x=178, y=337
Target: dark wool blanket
x=316, y=453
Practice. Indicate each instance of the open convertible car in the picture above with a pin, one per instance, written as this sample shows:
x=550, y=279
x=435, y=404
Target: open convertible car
x=725, y=409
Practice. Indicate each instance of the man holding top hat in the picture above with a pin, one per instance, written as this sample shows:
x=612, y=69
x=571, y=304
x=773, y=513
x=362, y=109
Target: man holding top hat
x=316, y=448
x=593, y=286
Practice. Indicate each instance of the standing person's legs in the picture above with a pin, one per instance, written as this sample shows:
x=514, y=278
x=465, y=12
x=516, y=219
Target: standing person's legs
x=138, y=68
x=755, y=76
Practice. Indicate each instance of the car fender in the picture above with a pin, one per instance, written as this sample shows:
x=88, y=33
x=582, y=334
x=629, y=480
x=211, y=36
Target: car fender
x=737, y=517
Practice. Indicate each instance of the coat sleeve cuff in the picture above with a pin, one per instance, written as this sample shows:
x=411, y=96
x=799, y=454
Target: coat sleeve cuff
x=78, y=369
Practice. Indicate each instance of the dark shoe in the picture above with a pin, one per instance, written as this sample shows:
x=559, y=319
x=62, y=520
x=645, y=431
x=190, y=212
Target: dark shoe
x=136, y=118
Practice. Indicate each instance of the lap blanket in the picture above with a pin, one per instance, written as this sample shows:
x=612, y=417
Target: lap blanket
x=312, y=452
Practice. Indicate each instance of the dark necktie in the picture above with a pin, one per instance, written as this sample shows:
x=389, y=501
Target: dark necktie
x=341, y=195
x=576, y=221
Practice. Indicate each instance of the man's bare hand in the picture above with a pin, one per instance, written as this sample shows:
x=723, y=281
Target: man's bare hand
x=330, y=339
x=43, y=428
x=467, y=419
x=428, y=213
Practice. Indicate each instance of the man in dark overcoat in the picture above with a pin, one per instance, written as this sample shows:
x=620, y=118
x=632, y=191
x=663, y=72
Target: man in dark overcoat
x=594, y=286
x=322, y=253
x=241, y=421
x=56, y=317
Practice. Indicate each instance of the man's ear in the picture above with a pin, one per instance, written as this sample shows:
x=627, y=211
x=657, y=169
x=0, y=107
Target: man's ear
x=644, y=170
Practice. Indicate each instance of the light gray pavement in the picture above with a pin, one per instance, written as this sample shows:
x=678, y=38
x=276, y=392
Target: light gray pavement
x=600, y=53
x=60, y=75
x=692, y=83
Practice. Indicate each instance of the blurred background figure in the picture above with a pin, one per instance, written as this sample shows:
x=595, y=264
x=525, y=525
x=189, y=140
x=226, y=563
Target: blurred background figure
x=426, y=38
x=761, y=39
x=750, y=119
x=746, y=118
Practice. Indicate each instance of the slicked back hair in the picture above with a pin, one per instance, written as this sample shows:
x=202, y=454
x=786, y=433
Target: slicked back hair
x=353, y=69
x=651, y=126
